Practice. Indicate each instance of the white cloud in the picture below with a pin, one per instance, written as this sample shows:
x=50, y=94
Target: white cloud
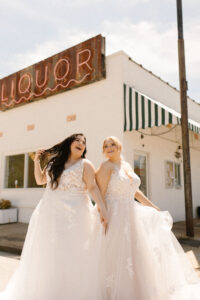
x=142, y=41
x=145, y=42
x=31, y=7
x=47, y=49
x=192, y=46
x=131, y=2
x=81, y=3
x=157, y=49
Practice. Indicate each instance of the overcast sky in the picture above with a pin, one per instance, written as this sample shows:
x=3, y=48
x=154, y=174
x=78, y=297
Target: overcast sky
x=32, y=30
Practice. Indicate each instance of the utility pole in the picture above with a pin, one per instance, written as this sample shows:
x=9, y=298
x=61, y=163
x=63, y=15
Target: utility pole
x=184, y=125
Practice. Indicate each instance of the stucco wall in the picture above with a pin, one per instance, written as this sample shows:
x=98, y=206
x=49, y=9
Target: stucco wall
x=98, y=110
x=160, y=149
x=99, y=113
x=150, y=85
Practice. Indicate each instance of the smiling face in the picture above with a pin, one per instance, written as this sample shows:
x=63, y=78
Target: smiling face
x=78, y=146
x=111, y=148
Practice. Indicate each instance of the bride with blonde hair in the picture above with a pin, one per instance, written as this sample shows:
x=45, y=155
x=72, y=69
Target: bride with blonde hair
x=142, y=260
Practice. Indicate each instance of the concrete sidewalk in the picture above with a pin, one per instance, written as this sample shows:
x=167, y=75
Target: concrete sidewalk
x=179, y=230
x=190, y=245
x=12, y=237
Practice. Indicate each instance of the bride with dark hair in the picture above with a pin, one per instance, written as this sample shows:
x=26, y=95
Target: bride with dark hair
x=59, y=258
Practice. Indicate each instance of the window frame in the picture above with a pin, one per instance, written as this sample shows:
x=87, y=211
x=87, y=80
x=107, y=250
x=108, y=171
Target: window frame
x=141, y=153
x=5, y=172
x=177, y=185
x=174, y=185
x=25, y=172
x=166, y=174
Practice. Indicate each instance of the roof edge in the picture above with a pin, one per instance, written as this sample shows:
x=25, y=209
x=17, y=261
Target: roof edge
x=122, y=52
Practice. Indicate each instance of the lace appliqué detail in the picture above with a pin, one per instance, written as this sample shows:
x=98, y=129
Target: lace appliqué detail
x=70, y=179
x=86, y=245
x=71, y=218
x=110, y=281
x=115, y=208
x=127, y=232
x=121, y=188
x=129, y=267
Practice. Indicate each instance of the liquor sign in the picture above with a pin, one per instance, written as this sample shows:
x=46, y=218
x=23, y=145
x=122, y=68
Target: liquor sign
x=74, y=67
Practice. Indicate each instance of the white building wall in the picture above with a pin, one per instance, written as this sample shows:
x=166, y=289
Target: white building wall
x=195, y=174
x=98, y=114
x=160, y=149
x=155, y=88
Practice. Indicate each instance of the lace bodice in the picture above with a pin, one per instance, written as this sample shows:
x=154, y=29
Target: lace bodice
x=122, y=185
x=71, y=178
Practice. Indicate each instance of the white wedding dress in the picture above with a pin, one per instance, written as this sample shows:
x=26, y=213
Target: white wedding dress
x=141, y=258
x=59, y=258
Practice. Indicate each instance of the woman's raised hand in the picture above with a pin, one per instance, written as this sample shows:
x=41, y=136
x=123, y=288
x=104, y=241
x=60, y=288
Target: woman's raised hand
x=38, y=154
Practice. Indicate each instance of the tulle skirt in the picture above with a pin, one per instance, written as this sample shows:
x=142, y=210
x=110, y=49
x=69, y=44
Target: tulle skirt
x=66, y=255
x=59, y=258
x=142, y=259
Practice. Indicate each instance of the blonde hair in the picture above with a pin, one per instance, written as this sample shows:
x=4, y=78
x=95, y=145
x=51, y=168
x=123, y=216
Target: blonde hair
x=115, y=140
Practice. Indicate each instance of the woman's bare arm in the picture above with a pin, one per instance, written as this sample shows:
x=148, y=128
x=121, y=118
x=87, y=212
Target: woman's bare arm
x=103, y=176
x=139, y=194
x=40, y=175
x=89, y=179
x=144, y=200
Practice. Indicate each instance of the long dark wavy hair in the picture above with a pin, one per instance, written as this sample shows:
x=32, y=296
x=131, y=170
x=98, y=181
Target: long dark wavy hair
x=60, y=154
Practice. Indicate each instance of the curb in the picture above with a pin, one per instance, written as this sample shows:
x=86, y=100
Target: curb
x=13, y=250
x=189, y=242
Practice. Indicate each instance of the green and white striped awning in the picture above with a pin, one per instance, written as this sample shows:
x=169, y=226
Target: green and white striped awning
x=141, y=112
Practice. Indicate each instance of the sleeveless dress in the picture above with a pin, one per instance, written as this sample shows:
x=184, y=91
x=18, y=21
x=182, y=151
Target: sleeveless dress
x=59, y=258
x=142, y=258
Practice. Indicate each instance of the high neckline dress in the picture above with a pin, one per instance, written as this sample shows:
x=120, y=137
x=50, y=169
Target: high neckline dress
x=141, y=258
x=59, y=259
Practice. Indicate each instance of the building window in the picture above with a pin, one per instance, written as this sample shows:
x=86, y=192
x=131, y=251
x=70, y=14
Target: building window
x=20, y=171
x=173, y=174
x=140, y=168
x=14, y=171
x=177, y=169
x=169, y=174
